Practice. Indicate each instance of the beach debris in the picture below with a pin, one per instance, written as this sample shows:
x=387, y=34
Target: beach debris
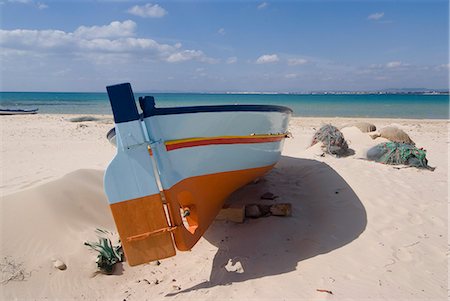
x=234, y=267
x=394, y=134
x=364, y=127
x=325, y=291
x=81, y=126
x=109, y=255
x=394, y=153
x=332, y=139
x=284, y=209
x=84, y=118
x=252, y=211
x=232, y=213
x=265, y=210
x=12, y=270
x=262, y=210
x=268, y=196
x=59, y=265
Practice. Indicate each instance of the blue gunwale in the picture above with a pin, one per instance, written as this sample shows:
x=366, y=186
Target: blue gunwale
x=219, y=108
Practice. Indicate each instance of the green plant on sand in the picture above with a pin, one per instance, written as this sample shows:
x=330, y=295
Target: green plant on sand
x=108, y=255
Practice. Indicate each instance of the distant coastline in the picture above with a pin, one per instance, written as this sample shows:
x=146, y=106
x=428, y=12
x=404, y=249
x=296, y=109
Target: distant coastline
x=337, y=93
x=409, y=91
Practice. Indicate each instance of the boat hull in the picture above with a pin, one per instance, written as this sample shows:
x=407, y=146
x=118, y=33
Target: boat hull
x=175, y=168
x=18, y=112
x=203, y=195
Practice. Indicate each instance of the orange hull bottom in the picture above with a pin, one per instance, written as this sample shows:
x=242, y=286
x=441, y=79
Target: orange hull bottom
x=146, y=227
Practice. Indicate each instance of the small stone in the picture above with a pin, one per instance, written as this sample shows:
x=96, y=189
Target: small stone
x=82, y=126
x=233, y=213
x=252, y=211
x=284, y=209
x=234, y=267
x=265, y=210
x=59, y=265
x=268, y=196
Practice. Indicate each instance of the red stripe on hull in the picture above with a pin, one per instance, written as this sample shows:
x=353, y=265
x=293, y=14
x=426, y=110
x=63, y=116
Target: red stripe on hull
x=219, y=141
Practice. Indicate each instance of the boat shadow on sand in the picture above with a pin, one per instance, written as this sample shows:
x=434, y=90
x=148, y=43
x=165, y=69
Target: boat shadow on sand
x=326, y=215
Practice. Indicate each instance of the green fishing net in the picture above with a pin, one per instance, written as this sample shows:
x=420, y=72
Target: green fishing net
x=395, y=153
x=332, y=139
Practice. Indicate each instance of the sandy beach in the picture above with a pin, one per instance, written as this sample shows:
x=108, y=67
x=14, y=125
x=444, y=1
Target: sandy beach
x=359, y=229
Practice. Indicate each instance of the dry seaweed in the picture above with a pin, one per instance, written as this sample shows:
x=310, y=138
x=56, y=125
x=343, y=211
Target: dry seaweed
x=12, y=270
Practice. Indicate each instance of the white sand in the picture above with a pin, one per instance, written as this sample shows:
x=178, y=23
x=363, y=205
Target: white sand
x=359, y=229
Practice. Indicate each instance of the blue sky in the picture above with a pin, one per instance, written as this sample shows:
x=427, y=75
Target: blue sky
x=216, y=46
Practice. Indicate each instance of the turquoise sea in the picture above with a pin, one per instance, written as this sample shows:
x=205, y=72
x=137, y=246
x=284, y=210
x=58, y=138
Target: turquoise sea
x=320, y=105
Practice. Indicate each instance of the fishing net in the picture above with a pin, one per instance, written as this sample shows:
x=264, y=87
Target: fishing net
x=395, y=153
x=332, y=139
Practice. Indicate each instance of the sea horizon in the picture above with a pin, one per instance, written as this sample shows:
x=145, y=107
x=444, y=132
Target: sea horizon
x=409, y=91
x=423, y=105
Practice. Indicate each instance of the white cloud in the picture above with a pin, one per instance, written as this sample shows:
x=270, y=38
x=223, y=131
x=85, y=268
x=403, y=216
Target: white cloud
x=263, y=5
x=295, y=62
x=396, y=64
x=221, y=31
x=24, y=39
x=291, y=76
x=267, y=58
x=124, y=45
x=443, y=67
x=38, y=5
x=375, y=16
x=93, y=42
x=112, y=30
x=41, y=5
x=232, y=60
x=389, y=65
x=187, y=55
x=20, y=1
x=148, y=10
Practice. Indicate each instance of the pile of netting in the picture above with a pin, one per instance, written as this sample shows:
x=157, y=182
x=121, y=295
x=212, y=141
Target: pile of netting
x=332, y=139
x=395, y=153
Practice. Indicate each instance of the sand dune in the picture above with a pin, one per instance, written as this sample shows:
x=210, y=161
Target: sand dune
x=359, y=229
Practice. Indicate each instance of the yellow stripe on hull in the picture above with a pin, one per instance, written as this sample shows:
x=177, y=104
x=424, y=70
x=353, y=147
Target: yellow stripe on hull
x=255, y=136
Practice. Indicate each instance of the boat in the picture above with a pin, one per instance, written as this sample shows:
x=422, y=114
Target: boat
x=175, y=167
x=17, y=111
